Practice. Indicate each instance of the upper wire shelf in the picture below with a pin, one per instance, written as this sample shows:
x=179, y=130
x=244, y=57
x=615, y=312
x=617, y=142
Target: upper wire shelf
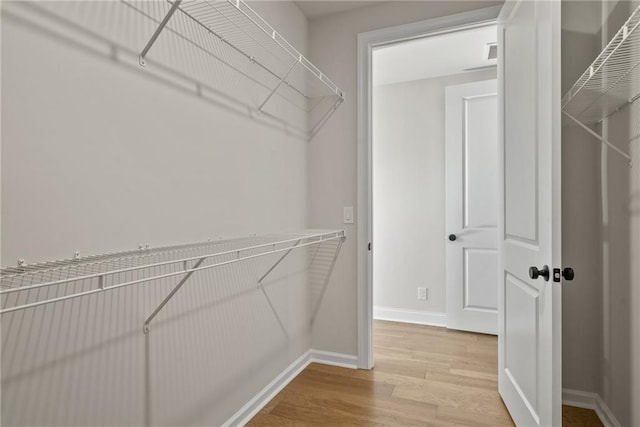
x=27, y=286
x=243, y=40
x=612, y=80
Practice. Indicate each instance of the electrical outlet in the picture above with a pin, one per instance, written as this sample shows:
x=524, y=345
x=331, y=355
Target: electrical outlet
x=423, y=294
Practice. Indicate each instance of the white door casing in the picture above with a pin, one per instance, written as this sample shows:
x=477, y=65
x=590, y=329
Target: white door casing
x=529, y=344
x=472, y=207
x=365, y=43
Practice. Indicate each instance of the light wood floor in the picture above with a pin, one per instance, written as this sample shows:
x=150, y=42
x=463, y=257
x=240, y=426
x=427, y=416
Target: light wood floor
x=423, y=376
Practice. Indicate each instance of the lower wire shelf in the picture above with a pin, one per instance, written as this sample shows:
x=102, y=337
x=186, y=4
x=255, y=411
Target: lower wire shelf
x=27, y=286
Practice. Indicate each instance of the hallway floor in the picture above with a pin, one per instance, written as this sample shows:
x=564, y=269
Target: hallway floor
x=423, y=376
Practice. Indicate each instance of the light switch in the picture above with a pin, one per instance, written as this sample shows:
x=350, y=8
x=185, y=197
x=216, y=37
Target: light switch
x=347, y=214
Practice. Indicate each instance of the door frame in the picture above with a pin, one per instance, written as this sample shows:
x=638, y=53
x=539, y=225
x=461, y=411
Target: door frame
x=365, y=44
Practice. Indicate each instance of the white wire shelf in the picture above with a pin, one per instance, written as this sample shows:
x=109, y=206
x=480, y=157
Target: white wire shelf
x=233, y=32
x=612, y=80
x=27, y=286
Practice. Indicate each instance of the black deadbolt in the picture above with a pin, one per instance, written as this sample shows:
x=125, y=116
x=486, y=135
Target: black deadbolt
x=534, y=272
x=452, y=237
x=567, y=273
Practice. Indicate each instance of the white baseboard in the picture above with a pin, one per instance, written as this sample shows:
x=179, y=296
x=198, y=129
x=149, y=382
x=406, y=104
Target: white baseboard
x=334, y=359
x=264, y=396
x=588, y=400
x=410, y=316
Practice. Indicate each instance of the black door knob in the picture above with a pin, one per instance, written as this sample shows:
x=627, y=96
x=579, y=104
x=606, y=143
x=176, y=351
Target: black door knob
x=534, y=272
x=452, y=237
x=567, y=273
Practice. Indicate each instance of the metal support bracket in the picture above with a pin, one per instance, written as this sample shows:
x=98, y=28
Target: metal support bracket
x=273, y=267
x=326, y=279
x=601, y=139
x=164, y=302
x=163, y=23
x=278, y=85
x=326, y=117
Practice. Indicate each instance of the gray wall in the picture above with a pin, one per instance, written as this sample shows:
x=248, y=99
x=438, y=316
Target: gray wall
x=409, y=191
x=601, y=307
x=332, y=173
x=621, y=247
x=582, y=298
x=99, y=155
x=601, y=229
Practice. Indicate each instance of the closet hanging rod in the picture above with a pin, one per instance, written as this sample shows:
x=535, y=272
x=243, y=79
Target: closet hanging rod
x=311, y=239
x=601, y=139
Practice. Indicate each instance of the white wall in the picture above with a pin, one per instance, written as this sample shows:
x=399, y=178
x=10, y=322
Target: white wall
x=98, y=155
x=332, y=173
x=409, y=191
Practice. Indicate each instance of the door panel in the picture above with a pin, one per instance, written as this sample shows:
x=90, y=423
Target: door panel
x=481, y=161
x=530, y=309
x=481, y=279
x=520, y=127
x=521, y=344
x=472, y=206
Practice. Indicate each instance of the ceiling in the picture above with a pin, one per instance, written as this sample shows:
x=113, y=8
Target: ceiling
x=434, y=56
x=313, y=8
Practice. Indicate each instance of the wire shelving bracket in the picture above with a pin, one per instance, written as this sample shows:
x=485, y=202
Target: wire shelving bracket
x=22, y=287
x=237, y=26
x=610, y=83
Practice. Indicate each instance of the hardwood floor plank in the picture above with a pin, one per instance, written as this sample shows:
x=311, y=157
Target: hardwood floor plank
x=380, y=411
x=390, y=404
x=314, y=416
x=268, y=420
x=442, y=394
x=579, y=417
x=407, y=368
x=474, y=372
x=458, y=379
x=340, y=383
x=475, y=418
x=423, y=376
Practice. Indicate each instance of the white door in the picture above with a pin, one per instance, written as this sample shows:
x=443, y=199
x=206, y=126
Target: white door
x=529, y=340
x=472, y=206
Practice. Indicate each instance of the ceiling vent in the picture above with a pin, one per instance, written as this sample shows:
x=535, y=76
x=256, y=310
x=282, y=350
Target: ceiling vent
x=491, y=51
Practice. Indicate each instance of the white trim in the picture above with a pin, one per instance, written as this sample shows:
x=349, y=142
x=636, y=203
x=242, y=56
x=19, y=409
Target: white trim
x=334, y=359
x=264, y=396
x=366, y=41
x=410, y=316
x=579, y=399
x=588, y=400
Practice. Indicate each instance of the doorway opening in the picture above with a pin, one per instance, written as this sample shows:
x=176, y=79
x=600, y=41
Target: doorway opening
x=437, y=67
x=434, y=206
x=435, y=180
